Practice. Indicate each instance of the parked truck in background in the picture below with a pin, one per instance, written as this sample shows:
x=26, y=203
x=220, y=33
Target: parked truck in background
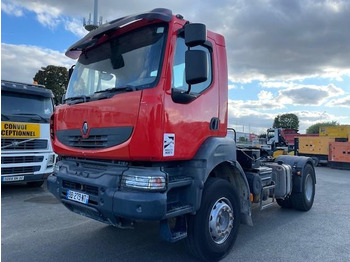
x=26, y=151
x=279, y=141
x=142, y=135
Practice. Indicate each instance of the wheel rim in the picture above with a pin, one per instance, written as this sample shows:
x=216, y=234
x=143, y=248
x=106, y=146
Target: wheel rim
x=308, y=187
x=221, y=220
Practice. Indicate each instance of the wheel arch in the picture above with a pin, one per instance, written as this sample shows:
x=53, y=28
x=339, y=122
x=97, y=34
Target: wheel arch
x=220, y=156
x=233, y=173
x=298, y=164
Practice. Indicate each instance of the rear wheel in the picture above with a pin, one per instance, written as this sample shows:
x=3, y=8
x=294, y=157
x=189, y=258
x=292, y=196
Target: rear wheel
x=213, y=230
x=304, y=200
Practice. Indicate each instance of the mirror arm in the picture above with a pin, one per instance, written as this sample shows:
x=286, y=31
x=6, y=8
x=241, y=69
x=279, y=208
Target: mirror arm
x=189, y=89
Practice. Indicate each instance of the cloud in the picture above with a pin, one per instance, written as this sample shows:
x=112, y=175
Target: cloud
x=256, y=104
x=265, y=39
x=294, y=94
x=308, y=94
x=11, y=8
x=253, y=120
x=340, y=102
x=265, y=95
x=75, y=26
x=276, y=84
x=230, y=87
x=248, y=119
x=276, y=42
x=21, y=62
x=308, y=118
x=47, y=15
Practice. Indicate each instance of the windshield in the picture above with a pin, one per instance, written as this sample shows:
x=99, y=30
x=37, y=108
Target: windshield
x=128, y=62
x=25, y=108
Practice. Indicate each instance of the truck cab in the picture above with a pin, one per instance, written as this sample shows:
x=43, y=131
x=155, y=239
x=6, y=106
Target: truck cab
x=26, y=151
x=142, y=135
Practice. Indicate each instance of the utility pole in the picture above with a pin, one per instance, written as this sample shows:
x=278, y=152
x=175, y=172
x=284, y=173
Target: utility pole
x=92, y=24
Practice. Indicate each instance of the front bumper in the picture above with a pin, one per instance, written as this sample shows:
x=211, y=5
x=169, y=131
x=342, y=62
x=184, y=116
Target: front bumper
x=12, y=179
x=108, y=201
x=26, y=167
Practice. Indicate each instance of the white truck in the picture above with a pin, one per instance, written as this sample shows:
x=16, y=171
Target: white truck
x=26, y=151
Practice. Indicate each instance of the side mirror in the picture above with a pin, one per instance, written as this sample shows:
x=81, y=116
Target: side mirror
x=195, y=34
x=196, y=68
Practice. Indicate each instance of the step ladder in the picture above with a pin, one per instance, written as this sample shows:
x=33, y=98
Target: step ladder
x=267, y=189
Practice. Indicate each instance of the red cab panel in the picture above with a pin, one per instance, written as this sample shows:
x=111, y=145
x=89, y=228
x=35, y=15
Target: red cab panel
x=101, y=117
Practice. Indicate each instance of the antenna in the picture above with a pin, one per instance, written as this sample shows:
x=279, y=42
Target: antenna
x=92, y=24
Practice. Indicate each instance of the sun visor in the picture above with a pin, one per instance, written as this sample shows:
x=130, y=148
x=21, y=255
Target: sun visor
x=92, y=38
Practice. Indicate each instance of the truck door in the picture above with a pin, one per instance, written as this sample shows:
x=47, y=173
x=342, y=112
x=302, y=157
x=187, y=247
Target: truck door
x=191, y=123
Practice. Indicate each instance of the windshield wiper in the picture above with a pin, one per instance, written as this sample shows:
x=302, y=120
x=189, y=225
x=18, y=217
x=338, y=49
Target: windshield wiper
x=127, y=88
x=33, y=116
x=5, y=117
x=77, y=99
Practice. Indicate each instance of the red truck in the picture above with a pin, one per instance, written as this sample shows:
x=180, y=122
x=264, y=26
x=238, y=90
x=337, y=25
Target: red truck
x=142, y=135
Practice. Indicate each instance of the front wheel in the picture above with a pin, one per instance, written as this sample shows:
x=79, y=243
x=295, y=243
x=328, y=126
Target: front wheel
x=213, y=230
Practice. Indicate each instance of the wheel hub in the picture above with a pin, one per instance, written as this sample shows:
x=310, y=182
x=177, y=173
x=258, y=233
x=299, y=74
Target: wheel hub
x=308, y=187
x=221, y=220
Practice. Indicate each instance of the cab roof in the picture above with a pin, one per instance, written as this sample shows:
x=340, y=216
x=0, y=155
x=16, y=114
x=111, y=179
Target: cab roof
x=91, y=38
x=29, y=89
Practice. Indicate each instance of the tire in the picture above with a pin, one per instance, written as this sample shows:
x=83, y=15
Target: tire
x=35, y=184
x=284, y=203
x=220, y=203
x=304, y=200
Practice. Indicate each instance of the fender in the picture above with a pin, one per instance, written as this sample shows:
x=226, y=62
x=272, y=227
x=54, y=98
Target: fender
x=216, y=150
x=222, y=150
x=298, y=164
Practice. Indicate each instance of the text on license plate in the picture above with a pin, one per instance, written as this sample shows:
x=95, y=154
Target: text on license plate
x=12, y=178
x=78, y=197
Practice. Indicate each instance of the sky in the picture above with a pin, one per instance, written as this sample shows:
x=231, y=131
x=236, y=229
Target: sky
x=283, y=56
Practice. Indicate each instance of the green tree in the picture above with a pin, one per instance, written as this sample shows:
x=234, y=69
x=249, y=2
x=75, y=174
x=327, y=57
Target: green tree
x=286, y=121
x=314, y=129
x=54, y=78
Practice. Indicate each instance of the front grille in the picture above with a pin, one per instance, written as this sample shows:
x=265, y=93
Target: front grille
x=19, y=170
x=91, y=190
x=89, y=143
x=97, y=138
x=21, y=159
x=23, y=144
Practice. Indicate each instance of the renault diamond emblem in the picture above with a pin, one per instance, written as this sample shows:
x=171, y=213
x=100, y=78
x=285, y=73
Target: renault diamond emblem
x=85, y=128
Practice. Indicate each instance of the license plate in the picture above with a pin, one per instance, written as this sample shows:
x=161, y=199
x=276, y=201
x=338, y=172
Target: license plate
x=78, y=197
x=12, y=178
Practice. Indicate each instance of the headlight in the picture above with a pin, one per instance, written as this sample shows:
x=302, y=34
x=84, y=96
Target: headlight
x=50, y=160
x=144, y=182
x=56, y=168
x=137, y=179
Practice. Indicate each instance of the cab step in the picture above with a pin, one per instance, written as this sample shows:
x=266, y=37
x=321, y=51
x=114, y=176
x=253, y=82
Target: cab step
x=173, y=230
x=177, y=210
x=179, y=181
x=264, y=189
